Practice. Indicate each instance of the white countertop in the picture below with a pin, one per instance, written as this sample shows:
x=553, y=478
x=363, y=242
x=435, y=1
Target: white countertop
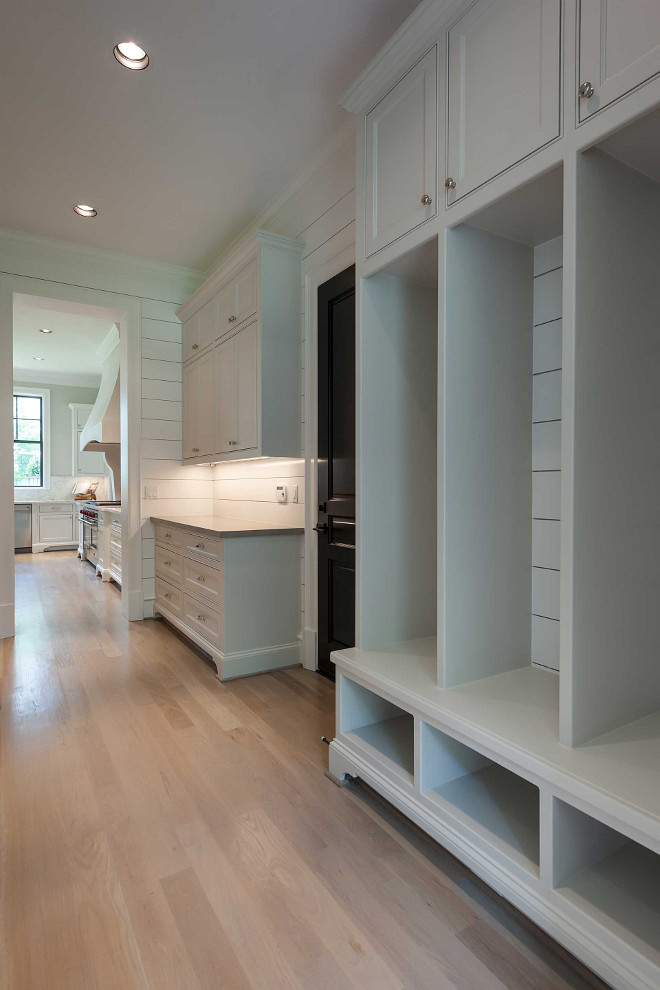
x=225, y=527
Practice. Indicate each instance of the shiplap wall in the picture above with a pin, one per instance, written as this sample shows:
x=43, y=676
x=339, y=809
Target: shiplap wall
x=546, y=456
x=182, y=490
x=321, y=212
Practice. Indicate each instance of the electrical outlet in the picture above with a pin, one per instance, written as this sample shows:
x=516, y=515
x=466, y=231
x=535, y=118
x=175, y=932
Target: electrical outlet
x=294, y=493
x=151, y=491
x=281, y=493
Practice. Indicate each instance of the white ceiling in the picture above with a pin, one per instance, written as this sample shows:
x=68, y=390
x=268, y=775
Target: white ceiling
x=73, y=347
x=239, y=96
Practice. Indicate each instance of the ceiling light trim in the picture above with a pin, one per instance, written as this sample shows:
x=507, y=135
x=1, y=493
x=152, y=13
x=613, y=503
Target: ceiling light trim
x=141, y=62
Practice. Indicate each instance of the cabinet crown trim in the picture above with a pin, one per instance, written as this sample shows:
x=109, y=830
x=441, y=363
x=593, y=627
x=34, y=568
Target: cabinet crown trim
x=416, y=35
x=219, y=278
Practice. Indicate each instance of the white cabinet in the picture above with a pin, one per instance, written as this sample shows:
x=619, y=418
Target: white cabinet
x=85, y=463
x=237, y=399
x=504, y=85
x=198, y=407
x=197, y=332
x=248, y=402
x=619, y=49
x=52, y=526
x=401, y=151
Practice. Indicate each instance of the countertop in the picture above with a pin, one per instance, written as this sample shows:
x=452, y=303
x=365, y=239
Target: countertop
x=226, y=527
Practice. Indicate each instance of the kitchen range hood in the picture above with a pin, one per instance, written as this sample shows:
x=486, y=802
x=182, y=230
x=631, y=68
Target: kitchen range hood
x=102, y=432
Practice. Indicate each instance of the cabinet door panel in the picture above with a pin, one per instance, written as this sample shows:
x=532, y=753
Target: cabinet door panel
x=246, y=389
x=619, y=48
x=189, y=410
x=225, y=396
x=504, y=76
x=206, y=325
x=90, y=462
x=402, y=157
x=204, y=410
x=246, y=292
x=55, y=528
x=190, y=337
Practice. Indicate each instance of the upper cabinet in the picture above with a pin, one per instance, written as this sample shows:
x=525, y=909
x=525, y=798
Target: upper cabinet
x=401, y=157
x=84, y=462
x=241, y=397
x=619, y=50
x=504, y=85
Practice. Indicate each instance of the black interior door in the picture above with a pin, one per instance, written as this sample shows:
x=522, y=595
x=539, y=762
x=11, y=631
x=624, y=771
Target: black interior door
x=336, y=466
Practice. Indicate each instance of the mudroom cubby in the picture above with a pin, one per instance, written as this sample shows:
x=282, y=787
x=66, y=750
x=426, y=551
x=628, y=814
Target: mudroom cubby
x=379, y=727
x=397, y=411
x=502, y=436
x=497, y=806
x=609, y=878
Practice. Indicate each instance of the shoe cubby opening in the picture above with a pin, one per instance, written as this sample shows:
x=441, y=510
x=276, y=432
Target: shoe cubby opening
x=502, y=436
x=500, y=806
x=398, y=408
x=382, y=725
x=614, y=673
x=613, y=879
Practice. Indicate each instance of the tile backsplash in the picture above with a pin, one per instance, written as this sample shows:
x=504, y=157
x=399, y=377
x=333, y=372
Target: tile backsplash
x=61, y=489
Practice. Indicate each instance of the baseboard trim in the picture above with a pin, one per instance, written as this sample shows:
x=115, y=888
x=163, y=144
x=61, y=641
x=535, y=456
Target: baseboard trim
x=7, y=626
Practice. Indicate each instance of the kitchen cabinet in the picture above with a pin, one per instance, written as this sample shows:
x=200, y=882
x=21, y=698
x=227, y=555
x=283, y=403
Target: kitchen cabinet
x=242, y=397
x=197, y=332
x=401, y=153
x=237, y=400
x=198, y=407
x=53, y=526
x=85, y=463
x=619, y=50
x=504, y=84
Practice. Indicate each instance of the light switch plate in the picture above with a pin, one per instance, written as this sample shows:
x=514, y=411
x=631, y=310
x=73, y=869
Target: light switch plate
x=294, y=493
x=151, y=491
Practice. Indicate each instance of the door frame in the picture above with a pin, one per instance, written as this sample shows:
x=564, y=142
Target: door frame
x=315, y=277
x=129, y=312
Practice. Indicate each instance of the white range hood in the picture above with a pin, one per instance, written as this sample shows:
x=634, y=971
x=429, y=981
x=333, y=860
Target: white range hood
x=102, y=432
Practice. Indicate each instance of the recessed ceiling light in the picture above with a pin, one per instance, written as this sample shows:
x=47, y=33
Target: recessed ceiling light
x=37, y=359
x=45, y=330
x=131, y=55
x=83, y=210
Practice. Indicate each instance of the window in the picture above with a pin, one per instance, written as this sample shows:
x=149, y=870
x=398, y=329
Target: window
x=31, y=423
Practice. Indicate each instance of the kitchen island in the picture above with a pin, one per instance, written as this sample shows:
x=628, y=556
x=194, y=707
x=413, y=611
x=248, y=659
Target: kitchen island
x=232, y=586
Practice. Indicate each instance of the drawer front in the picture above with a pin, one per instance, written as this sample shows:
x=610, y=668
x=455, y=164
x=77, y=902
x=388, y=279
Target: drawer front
x=203, y=548
x=168, y=565
x=203, y=619
x=61, y=507
x=200, y=579
x=168, y=535
x=169, y=597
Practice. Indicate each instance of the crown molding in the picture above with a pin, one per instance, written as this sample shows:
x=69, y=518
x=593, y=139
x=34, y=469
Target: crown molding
x=80, y=380
x=425, y=26
x=47, y=258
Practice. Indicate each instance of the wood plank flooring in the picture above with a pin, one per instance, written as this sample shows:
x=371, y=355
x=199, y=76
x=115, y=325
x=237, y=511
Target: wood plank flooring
x=163, y=830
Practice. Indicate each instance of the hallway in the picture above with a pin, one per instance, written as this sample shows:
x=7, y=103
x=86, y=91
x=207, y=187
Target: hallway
x=163, y=830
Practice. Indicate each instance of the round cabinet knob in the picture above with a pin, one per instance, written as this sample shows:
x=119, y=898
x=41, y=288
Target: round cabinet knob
x=586, y=91
x=426, y=200
x=450, y=183
x=232, y=319
x=195, y=347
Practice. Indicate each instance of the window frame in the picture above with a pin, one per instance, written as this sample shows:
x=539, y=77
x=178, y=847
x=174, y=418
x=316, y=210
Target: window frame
x=44, y=395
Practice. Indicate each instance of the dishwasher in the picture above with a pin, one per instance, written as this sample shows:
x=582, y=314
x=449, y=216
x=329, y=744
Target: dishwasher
x=23, y=528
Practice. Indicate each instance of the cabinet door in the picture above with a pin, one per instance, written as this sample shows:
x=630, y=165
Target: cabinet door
x=204, y=405
x=619, y=48
x=190, y=337
x=224, y=309
x=245, y=344
x=190, y=411
x=402, y=157
x=206, y=325
x=225, y=396
x=246, y=292
x=56, y=528
x=89, y=462
x=504, y=76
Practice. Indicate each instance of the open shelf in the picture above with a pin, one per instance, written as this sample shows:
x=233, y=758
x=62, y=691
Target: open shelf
x=381, y=727
x=497, y=805
x=608, y=876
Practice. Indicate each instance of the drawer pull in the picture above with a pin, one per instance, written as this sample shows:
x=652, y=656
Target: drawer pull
x=199, y=546
x=167, y=594
x=201, y=618
x=168, y=536
x=202, y=579
x=168, y=563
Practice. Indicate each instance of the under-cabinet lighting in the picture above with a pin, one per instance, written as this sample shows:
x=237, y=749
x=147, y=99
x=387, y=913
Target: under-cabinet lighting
x=131, y=55
x=83, y=210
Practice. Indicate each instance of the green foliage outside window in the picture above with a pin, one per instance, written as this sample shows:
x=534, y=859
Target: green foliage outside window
x=28, y=441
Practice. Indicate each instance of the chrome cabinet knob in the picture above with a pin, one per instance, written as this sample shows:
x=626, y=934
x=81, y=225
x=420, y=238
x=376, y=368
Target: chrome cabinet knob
x=195, y=346
x=232, y=319
x=450, y=183
x=586, y=91
x=426, y=200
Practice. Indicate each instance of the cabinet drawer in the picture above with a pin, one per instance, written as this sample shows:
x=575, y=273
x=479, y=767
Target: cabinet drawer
x=200, y=579
x=60, y=507
x=203, y=619
x=168, y=535
x=203, y=548
x=168, y=565
x=169, y=597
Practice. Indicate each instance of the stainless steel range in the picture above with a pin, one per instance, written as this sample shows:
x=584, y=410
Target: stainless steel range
x=88, y=517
